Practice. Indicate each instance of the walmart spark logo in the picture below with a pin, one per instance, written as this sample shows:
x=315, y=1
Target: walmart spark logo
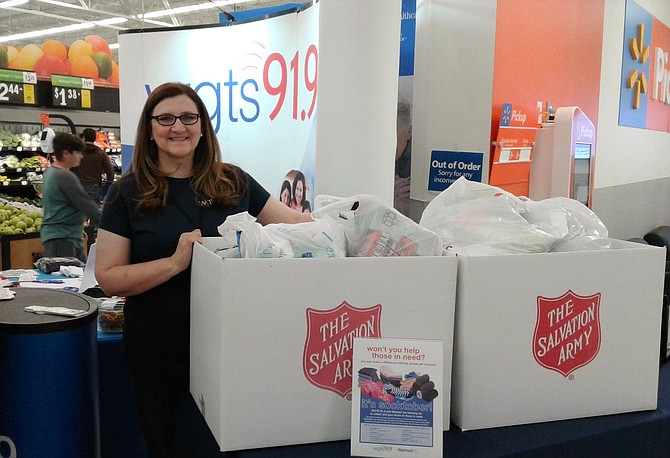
x=640, y=53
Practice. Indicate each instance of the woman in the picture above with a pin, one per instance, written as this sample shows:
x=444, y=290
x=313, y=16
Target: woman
x=298, y=201
x=176, y=192
x=285, y=193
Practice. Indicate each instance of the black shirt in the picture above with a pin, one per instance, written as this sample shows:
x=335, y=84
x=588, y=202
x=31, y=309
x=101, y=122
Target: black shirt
x=157, y=322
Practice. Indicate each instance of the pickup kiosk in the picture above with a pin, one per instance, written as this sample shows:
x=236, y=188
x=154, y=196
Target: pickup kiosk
x=563, y=160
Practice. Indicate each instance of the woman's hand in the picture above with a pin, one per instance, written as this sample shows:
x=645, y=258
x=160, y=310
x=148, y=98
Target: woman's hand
x=184, y=251
x=118, y=277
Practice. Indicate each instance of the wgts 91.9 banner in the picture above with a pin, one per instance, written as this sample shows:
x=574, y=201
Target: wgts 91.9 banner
x=259, y=81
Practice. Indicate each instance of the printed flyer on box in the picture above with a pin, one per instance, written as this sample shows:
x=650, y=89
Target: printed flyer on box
x=397, y=397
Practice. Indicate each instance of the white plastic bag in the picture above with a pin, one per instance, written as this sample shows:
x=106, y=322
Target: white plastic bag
x=372, y=228
x=575, y=225
x=252, y=240
x=320, y=239
x=475, y=218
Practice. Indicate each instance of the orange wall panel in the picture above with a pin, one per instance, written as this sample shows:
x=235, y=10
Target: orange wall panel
x=548, y=51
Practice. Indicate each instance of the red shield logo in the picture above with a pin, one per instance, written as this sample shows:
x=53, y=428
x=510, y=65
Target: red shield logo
x=567, y=331
x=329, y=345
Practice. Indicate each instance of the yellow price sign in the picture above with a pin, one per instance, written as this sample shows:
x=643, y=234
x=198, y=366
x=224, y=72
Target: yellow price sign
x=29, y=94
x=85, y=98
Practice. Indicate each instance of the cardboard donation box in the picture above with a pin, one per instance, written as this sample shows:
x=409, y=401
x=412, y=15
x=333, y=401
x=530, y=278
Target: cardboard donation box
x=553, y=336
x=272, y=339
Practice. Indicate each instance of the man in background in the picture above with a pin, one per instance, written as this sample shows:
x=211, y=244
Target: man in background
x=66, y=205
x=94, y=164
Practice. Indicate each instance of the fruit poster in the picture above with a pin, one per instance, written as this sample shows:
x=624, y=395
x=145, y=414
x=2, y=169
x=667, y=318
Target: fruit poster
x=397, y=397
x=87, y=57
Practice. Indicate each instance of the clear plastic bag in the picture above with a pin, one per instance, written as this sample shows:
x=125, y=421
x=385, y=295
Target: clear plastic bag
x=477, y=218
x=372, y=228
x=575, y=225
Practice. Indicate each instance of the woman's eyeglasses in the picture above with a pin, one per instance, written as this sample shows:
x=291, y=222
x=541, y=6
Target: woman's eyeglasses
x=186, y=119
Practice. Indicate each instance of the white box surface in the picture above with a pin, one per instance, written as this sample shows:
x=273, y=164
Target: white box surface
x=272, y=339
x=553, y=336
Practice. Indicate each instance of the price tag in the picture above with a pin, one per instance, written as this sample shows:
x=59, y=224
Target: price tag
x=30, y=77
x=85, y=98
x=17, y=87
x=71, y=91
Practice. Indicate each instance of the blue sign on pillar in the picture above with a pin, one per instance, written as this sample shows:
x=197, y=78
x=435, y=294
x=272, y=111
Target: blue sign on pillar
x=448, y=166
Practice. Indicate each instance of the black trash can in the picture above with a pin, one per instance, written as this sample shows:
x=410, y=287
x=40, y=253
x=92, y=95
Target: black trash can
x=48, y=377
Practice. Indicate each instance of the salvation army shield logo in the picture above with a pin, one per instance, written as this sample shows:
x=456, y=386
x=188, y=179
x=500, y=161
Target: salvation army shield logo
x=329, y=344
x=567, y=331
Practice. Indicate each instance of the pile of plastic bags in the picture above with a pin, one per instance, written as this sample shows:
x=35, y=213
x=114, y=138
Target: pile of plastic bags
x=467, y=218
x=356, y=226
x=476, y=218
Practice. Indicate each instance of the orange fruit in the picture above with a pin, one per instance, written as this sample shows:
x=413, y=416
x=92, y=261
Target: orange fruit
x=114, y=78
x=13, y=64
x=48, y=65
x=84, y=66
x=98, y=44
x=79, y=48
x=28, y=55
x=55, y=48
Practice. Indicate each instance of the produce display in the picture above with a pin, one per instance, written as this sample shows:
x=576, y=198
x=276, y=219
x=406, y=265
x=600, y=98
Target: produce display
x=24, y=140
x=19, y=219
x=34, y=205
x=21, y=172
x=11, y=161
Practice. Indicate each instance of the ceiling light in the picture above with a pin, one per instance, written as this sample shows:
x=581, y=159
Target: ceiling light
x=51, y=31
x=10, y=3
x=111, y=21
x=107, y=22
x=191, y=8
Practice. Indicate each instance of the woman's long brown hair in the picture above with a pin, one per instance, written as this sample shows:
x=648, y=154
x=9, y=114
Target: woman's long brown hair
x=211, y=179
